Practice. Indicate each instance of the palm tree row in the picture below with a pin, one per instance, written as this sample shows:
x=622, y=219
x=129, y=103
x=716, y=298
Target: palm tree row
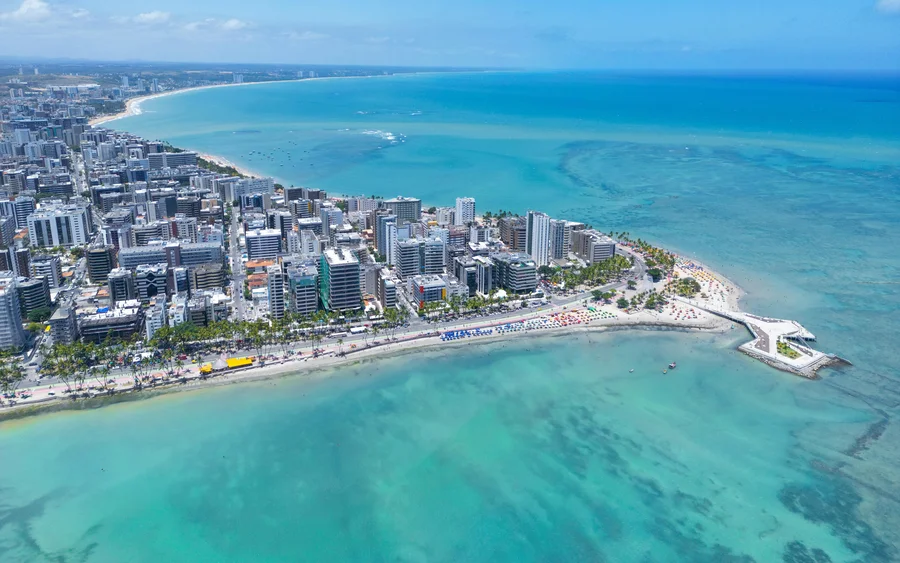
x=169, y=347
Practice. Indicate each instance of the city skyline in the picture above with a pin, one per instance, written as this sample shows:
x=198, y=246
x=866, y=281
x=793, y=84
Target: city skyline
x=831, y=35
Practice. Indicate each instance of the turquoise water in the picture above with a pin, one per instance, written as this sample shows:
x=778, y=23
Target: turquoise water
x=545, y=449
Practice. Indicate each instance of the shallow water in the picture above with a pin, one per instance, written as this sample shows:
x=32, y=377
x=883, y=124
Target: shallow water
x=545, y=449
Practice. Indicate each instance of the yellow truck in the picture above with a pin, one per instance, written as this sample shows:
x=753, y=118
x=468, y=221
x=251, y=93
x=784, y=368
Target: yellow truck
x=239, y=362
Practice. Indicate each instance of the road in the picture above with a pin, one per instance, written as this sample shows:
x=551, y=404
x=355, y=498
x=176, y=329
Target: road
x=237, y=268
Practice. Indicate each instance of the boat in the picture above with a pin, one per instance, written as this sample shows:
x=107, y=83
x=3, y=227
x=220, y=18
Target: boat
x=672, y=365
x=665, y=371
x=631, y=370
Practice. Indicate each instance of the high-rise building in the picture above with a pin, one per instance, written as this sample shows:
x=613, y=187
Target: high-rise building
x=150, y=281
x=50, y=267
x=515, y=273
x=407, y=209
x=537, y=237
x=19, y=208
x=381, y=233
x=263, y=243
x=63, y=326
x=184, y=227
x=444, y=215
x=246, y=186
x=303, y=290
x=171, y=159
x=513, y=232
x=339, y=280
x=21, y=261
x=592, y=246
x=121, y=285
x=559, y=239
x=100, y=261
x=465, y=211
x=484, y=274
x=433, y=253
x=34, y=295
x=407, y=258
x=275, y=282
x=387, y=289
x=12, y=335
x=64, y=225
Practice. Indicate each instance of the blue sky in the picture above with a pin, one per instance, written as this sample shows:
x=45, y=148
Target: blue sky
x=666, y=34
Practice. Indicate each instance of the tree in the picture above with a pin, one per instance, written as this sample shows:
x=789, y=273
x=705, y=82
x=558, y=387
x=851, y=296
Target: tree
x=632, y=284
x=622, y=303
x=432, y=210
x=11, y=372
x=598, y=294
x=77, y=252
x=655, y=274
x=545, y=271
x=40, y=315
x=34, y=327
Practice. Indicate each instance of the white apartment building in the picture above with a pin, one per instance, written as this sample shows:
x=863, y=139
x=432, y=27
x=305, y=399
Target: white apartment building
x=537, y=237
x=263, y=243
x=465, y=211
x=65, y=225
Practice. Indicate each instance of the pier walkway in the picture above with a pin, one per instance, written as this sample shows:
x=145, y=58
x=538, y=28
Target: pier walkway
x=768, y=333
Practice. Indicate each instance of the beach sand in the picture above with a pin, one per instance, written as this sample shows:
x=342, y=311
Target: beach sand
x=325, y=365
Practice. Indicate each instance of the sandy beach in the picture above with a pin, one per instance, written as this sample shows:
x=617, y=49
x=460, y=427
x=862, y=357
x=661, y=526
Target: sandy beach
x=133, y=105
x=556, y=321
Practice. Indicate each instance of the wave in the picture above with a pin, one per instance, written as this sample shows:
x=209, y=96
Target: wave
x=385, y=135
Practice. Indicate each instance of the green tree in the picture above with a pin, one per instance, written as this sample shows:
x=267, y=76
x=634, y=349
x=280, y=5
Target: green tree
x=622, y=303
x=11, y=372
x=40, y=315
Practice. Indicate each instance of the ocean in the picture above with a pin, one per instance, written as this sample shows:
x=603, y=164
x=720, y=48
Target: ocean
x=543, y=449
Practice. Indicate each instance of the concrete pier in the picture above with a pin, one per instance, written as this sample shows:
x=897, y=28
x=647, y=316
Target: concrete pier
x=768, y=333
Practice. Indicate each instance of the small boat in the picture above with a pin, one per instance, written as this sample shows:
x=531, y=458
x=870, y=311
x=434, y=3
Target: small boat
x=672, y=365
x=665, y=371
x=631, y=370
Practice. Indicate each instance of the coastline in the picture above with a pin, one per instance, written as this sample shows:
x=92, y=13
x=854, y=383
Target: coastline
x=133, y=105
x=326, y=367
x=717, y=310
x=133, y=108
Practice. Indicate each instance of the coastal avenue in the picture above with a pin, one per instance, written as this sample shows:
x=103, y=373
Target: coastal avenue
x=54, y=390
x=237, y=269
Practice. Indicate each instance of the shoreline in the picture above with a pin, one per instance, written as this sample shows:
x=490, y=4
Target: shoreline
x=717, y=311
x=133, y=108
x=133, y=105
x=326, y=367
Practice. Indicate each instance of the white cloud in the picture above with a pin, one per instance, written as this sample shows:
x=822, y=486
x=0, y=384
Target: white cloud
x=307, y=35
x=233, y=24
x=154, y=17
x=80, y=13
x=28, y=11
x=888, y=6
x=202, y=24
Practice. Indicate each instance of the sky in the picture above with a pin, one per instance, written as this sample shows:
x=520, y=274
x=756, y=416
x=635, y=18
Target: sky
x=595, y=34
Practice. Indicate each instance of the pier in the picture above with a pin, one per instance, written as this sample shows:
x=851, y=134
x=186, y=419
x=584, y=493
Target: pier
x=768, y=333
